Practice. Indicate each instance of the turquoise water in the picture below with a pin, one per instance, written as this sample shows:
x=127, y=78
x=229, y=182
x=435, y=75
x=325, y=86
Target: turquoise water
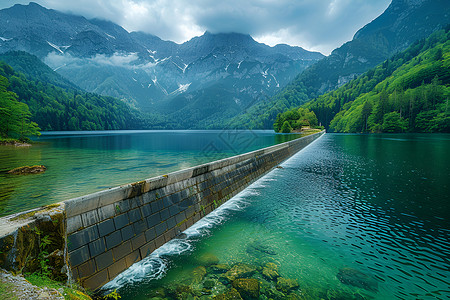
x=377, y=205
x=79, y=163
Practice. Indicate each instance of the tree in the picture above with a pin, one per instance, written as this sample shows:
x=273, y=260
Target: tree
x=392, y=122
x=286, y=128
x=14, y=115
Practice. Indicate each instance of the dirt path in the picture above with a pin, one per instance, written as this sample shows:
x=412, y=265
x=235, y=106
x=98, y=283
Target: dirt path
x=18, y=288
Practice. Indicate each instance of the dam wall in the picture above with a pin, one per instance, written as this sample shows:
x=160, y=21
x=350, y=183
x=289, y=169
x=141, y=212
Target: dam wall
x=108, y=231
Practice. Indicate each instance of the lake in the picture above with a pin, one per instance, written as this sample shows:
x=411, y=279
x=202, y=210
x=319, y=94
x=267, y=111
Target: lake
x=348, y=217
x=79, y=163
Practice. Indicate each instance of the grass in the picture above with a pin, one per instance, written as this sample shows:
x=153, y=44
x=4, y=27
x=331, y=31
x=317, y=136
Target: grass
x=6, y=291
x=72, y=292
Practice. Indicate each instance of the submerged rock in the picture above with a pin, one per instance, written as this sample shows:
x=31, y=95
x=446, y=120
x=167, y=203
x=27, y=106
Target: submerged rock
x=198, y=274
x=232, y=294
x=286, y=285
x=257, y=248
x=207, y=259
x=270, y=271
x=218, y=269
x=28, y=170
x=357, y=278
x=240, y=271
x=248, y=288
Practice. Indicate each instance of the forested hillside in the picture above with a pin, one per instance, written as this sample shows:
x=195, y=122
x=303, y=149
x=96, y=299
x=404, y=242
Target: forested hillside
x=56, y=104
x=407, y=93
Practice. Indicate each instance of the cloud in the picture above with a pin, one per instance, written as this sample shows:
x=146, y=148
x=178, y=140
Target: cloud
x=129, y=61
x=320, y=25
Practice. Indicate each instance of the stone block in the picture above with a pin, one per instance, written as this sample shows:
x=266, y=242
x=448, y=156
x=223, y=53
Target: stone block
x=160, y=228
x=146, y=210
x=150, y=234
x=73, y=224
x=153, y=220
x=122, y=206
x=106, y=227
x=176, y=197
x=121, y=221
x=147, y=249
x=86, y=269
x=127, y=232
x=79, y=256
x=167, y=202
x=148, y=197
x=122, y=250
x=138, y=241
x=169, y=235
x=106, y=212
x=139, y=226
x=97, y=247
x=89, y=218
x=180, y=217
x=156, y=205
x=173, y=210
x=171, y=223
x=82, y=237
x=164, y=214
x=135, y=202
x=98, y=280
x=159, y=241
x=77, y=206
x=104, y=260
x=134, y=215
x=117, y=268
x=113, y=239
x=132, y=258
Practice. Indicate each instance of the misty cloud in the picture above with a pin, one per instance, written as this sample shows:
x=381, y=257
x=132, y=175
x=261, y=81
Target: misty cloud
x=130, y=61
x=320, y=25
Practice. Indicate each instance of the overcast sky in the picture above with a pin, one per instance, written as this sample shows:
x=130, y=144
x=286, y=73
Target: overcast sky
x=320, y=25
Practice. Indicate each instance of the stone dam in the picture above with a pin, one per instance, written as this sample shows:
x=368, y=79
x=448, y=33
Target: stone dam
x=91, y=239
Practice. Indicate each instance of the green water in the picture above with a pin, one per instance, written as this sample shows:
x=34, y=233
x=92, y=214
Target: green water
x=378, y=205
x=79, y=163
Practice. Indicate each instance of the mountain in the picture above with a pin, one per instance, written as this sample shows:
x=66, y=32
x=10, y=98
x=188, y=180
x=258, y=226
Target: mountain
x=179, y=80
x=401, y=24
x=56, y=104
x=409, y=92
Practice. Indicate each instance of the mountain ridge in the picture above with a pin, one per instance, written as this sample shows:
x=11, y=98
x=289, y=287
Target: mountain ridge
x=146, y=71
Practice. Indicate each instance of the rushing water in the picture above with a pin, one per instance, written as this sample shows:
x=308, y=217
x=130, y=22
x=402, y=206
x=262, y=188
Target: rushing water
x=79, y=163
x=377, y=205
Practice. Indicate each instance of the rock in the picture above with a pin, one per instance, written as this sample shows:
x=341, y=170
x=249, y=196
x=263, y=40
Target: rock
x=357, y=278
x=232, y=294
x=240, y=271
x=28, y=170
x=286, y=285
x=219, y=269
x=209, y=284
x=273, y=293
x=270, y=271
x=293, y=297
x=279, y=167
x=198, y=274
x=248, y=288
x=207, y=259
x=257, y=248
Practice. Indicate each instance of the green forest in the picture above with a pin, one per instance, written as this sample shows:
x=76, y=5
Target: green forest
x=46, y=100
x=407, y=93
x=14, y=115
x=295, y=119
